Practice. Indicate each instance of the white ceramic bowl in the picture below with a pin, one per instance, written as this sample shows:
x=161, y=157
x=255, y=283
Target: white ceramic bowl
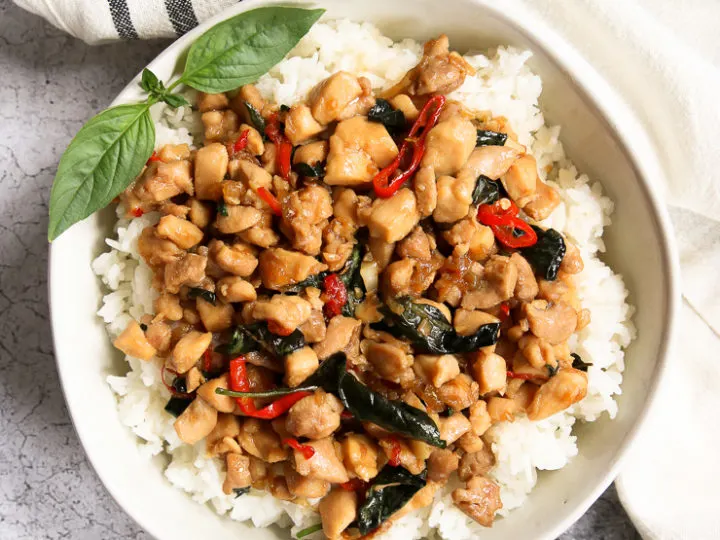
x=600, y=136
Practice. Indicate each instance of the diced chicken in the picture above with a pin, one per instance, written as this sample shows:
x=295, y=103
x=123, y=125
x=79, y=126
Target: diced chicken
x=219, y=124
x=299, y=365
x=393, y=218
x=480, y=420
x=288, y=312
x=491, y=161
x=215, y=317
x=572, y=262
x=280, y=268
x=476, y=463
x=324, y=464
x=454, y=197
x=212, y=102
x=358, y=150
x=315, y=417
x=498, y=284
x=314, y=328
x=397, y=277
x=502, y=409
x=403, y=103
x=188, y=350
x=459, y=393
x=189, y=270
x=132, y=341
x=388, y=361
x=441, y=464
x=470, y=443
x=238, y=219
x=469, y=237
x=159, y=335
x=162, y=181
x=304, y=215
x=237, y=472
x=237, y=259
x=453, y=427
x=449, y=144
x=381, y=251
x=181, y=231
x=255, y=144
x=564, y=389
x=542, y=204
x=221, y=439
x=248, y=94
x=235, y=289
x=538, y=352
x=480, y=500
x=258, y=439
x=196, y=422
x=554, y=322
x=173, y=152
x=343, y=334
x=416, y=245
x=300, y=126
x=223, y=404
x=277, y=482
x=304, y=486
x=520, y=180
x=467, y=322
x=328, y=99
x=360, y=456
x=200, y=213
x=526, y=288
x=167, y=306
x=157, y=251
x=490, y=372
x=339, y=240
x=338, y=510
x=437, y=370
x=426, y=191
x=211, y=164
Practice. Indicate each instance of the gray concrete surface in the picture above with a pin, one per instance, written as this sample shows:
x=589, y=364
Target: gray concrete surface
x=50, y=84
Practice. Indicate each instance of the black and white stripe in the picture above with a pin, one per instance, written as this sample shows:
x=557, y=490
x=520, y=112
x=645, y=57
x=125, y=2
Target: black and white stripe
x=182, y=15
x=121, y=19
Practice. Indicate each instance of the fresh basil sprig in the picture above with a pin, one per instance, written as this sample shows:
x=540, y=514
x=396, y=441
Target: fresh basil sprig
x=110, y=151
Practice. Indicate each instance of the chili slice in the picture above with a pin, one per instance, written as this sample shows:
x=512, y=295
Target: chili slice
x=153, y=157
x=137, y=212
x=207, y=359
x=524, y=376
x=511, y=231
x=306, y=450
x=395, y=450
x=271, y=200
x=336, y=294
x=355, y=484
x=284, y=147
x=242, y=141
x=277, y=329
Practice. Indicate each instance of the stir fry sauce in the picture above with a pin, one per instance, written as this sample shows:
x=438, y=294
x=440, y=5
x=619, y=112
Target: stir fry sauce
x=353, y=290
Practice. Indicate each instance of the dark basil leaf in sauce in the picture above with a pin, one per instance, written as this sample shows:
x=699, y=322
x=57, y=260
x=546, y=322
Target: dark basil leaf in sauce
x=176, y=406
x=180, y=385
x=490, y=138
x=389, y=492
x=206, y=295
x=278, y=346
x=222, y=208
x=486, y=191
x=284, y=108
x=240, y=343
x=312, y=171
x=579, y=363
x=256, y=118
x=328, y=375
x=354, y=284
x=315, y=280
x=383, y=113
x=239, y=492
x=552, y=371
x=428, y=329
x=546, y=254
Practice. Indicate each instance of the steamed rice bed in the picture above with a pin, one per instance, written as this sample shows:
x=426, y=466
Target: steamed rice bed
x=504, y=85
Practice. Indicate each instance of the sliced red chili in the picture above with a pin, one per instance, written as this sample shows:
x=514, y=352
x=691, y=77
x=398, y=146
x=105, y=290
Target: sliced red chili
x=355, y=484
x=283, y=145
x=277, y=329
x=207, y=360
x=305, y=449
x=336, y=295
x=153, y=157
x=280, y=406
x=504, y=311
x=271, y=200
x=242, y=141
x=511, y=231
x=395, y=450
x=170, y=387
x=137, y=212
x=524, y=376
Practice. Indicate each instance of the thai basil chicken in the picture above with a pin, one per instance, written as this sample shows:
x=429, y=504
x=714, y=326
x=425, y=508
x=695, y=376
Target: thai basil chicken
x=353, y=290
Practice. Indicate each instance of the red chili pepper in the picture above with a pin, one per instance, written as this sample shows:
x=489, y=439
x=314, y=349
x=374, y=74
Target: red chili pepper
x=284, y=147
x=524, y=376
x=336, y=294
x=279, y=407
x=504, y=311
x=153, y=157
x=170, y=388
x=346, y=415
x=137, y=212
x=505, y=224
x=382, y=183
x=278, y=329
x=395, y=450
x=305, y=449
x=354, y=484
x=207, y=359
x=242, y=141
x=269, y=198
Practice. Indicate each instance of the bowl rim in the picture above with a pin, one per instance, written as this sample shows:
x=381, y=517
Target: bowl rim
x=621, y=123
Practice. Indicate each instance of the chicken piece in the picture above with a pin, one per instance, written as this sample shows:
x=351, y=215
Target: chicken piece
x=167, y=306
x=212, y=102
x=520, y=180
x=173, y=152
x=157, y=251
x=219, y=124
x=454, y=197
x=453, y=427
x=315, y=417
x=200, y=213
x=469, y=237
x=572, y=262
x=343, y=334
x=328, y=99
x=416, y=245
x=159, y=335
x=441, y=464
x=238, y=259
x=480, y=500
x=480, y=420
x=522, y=393
x=255, y=144
x=491, y=161
x=180, y=231
x=393, y=218
x=381, y=251
x=476, y=463
x=235, y=289
x=437, y=370
x=459, y=393
x=490, y=372
x=299, y=365
x=189, y=270
x=324, y=464
x=237, y=472
x=162, y=181
x=449, y=144
x=338, y=509
x=221, y=439
x=553, y=322
x=502, y=409
x=498, y=284
x=238, y=219
x=312, y=153
x=358, y=150
x=305, y=213
x=526, y=288
x=300, y=126
x=314, y=329
x=196, y=422
x=304, y=486
x=280, y=267
x=390, y=362
x=215, y=317
x=248, y=95
x=339, y=240
x=211, y=164
x=468, y=322
x=561, y=391
x=397, y=277
x=542, y=204
x=288, y=312
x=410, y=454
x=188, y=350
x=360, y=456
x=538, y=352
x=132, y=341
x=258, y=439
x=403, y=103
x=223, y=404
x=426, y=191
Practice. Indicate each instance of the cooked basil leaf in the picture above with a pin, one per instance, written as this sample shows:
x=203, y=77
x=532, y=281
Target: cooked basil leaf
x=389, y=492
x=383, y=113
x=546, y=254
x=328, y=375
x=255, y=117
x=239, y=50
x=284, y=108
x=241, y=491
x=176, y=406
x=316, y=280
x=309, y=530
x=552, y=371
x=222, y=208
x=490, y=138
x=206, y=295
x=240, y=343
x=278, y=346
x=579, y=363
x=428, y=329
x=180, y=385
x=351, y=270
x=104, y=157
x=311, y=171
x=486, y=191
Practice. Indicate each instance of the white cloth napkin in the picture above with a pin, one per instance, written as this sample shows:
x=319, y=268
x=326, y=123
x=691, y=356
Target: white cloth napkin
x=663, y=58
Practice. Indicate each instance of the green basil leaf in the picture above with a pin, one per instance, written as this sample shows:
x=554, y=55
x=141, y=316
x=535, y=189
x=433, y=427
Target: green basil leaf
x=240, y=343
x=316, y=280
x=490, y=138
x=206, y=295
x=174, y=100
x=309, y=530
x=241, y=49
x=546, y=255
x=149, y=82
x=104, y=157
x=222, y=208
x=256, y=118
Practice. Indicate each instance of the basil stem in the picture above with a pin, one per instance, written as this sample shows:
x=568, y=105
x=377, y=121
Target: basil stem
x=310, y=530
x=276, y=392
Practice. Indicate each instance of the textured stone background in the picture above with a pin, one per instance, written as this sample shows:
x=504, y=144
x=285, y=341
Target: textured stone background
x=49, y=85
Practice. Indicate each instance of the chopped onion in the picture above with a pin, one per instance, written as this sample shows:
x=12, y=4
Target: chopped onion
x=369, y=273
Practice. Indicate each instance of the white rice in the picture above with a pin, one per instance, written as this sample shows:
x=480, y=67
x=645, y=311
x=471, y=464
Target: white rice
x=504, y=85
